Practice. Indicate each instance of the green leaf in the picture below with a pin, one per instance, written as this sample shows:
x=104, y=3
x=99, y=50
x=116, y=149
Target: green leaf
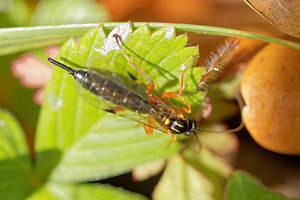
x=181, y=181
x=242, y=186
x=194, y=175
x=112, y=146
x=160, y=55
x=220, y=93
x=16, y=179
x=48, y=12
x=94, y=145
x=81, y=192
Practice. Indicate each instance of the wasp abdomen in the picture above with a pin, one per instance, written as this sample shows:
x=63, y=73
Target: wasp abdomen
x=111, y=91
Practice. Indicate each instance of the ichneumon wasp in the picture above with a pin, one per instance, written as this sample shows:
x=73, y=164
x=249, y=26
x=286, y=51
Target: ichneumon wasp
x=153, y=112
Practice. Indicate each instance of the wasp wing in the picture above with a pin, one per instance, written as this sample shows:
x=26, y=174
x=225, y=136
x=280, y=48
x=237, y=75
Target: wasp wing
x=101, y=102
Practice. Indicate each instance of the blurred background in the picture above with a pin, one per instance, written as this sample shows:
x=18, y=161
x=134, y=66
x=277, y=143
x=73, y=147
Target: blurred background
x=280, y=172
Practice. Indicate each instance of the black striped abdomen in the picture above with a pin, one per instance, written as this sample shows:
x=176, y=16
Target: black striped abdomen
x=111, y=91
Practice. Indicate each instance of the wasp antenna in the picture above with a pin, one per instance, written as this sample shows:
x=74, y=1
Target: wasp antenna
x=241, y=104
x=68, y=69
x=233, y=130
x=198, y=141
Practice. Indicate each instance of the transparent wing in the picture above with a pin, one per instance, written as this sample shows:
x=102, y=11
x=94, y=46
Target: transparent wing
x=103, y=104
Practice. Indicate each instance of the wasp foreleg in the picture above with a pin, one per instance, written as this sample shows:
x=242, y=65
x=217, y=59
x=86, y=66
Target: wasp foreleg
x=172, y=135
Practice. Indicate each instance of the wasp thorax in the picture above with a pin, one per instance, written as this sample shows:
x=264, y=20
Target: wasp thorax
x=180, y=126
x=80, y=76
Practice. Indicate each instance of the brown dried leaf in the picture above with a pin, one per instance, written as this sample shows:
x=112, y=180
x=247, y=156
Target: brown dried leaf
x=270, y=87
x=285, y=15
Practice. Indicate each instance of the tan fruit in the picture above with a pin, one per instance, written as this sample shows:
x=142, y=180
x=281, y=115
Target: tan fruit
x=271, y=90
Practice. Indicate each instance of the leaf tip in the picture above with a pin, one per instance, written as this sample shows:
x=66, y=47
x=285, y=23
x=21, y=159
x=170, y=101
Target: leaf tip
x=170, y=33
x=110, y=44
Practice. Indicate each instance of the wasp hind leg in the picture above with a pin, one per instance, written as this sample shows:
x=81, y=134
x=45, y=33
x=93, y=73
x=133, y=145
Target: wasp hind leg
x=150, y=86
x=118, y=41
x=172, y=95
x=173, y=138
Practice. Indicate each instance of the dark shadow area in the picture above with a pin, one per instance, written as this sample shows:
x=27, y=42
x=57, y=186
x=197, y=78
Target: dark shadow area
x=277, y=171
x=272, y=168
x=45, y=162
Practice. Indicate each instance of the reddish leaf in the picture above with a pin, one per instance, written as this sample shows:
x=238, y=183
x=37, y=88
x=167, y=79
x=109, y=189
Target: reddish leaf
x=33, y=72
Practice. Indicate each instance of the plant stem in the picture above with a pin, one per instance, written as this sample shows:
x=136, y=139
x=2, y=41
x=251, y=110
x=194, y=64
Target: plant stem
x=24, y=38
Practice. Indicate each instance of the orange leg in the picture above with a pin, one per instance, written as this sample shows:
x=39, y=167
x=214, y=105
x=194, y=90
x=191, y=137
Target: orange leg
x=173, y=95
x=188, y=109
x=151, y=96
x=149, y=129
x=118, y=38
x=170, y=95
x=150, y=86
x=115, y=110
x=182, y=75
x=118, y=108
x=172, y=140
x=172, y=135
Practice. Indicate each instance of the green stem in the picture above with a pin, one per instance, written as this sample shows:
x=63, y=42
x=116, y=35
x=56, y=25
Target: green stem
x=24, y=38
x=210, y=30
